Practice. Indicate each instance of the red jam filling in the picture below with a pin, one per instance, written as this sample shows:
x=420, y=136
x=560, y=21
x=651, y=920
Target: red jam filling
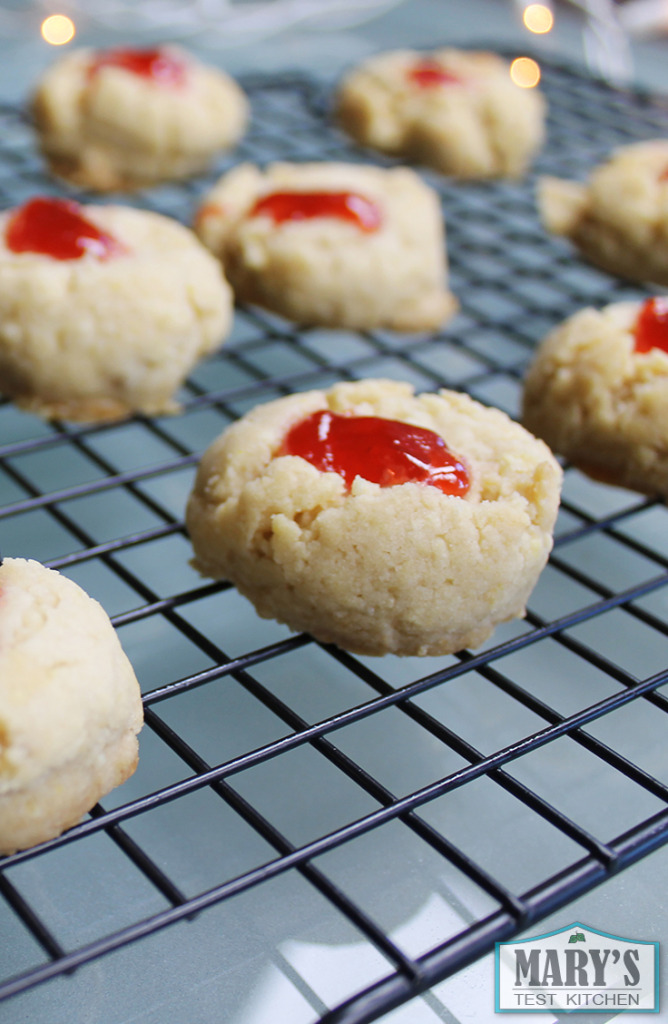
x=284, y=206
x=651, y=330
x=386, y=452
x=427, y=74
x=57, y=228
x=155, y=64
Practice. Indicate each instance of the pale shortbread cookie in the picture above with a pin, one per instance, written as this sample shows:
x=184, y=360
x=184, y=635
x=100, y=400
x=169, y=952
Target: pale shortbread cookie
x=327, y=270
x=90, y=339
x=600, y=404
x=618, y=219
x=116, y=130
x=404, y=569
x=480, y=126
x=70, y=706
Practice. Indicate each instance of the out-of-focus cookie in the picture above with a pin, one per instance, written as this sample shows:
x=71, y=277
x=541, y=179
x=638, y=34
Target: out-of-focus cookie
x=103, y=309
x=376, y=519
x=124, y=119
x=70, y=706
x=597, y=393
x=332, y=244
x=618, y=219
x=454, y=110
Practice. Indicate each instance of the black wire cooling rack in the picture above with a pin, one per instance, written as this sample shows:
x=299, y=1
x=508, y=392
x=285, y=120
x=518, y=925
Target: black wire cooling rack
x=351, y=830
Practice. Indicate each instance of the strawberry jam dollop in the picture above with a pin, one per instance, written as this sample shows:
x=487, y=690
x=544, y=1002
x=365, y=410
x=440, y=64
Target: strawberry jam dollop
x=57, y=228
x=651, y=329
x=427, y=74
x=156, y=64
x=385, y=452
x=290, y=206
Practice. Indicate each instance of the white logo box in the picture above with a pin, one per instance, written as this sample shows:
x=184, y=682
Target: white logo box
x=577, y=969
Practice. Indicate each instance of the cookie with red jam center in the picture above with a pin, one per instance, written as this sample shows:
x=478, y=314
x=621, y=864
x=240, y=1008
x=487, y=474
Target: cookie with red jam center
x=332, y=244
x=376, y=519
x=103, y=309
x=458, y=112
x=127, y=118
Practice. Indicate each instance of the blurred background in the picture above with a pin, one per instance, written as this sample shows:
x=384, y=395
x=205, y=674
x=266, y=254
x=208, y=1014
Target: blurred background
x=622, y=40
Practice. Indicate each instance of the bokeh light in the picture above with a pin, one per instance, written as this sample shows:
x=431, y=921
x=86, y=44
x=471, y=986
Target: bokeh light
x=538, y=18
x=525, y=72
x=58, y=29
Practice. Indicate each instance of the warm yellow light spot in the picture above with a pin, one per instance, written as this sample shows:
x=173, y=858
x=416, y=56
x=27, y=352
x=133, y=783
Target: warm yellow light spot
x=538, y=18
x=58, y=29
x=525, y=72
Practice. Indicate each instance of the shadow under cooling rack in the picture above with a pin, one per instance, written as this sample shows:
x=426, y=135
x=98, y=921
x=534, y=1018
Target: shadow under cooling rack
x=312, y=835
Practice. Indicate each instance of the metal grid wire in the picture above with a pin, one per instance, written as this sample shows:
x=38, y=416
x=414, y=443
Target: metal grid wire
x=287, y=788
